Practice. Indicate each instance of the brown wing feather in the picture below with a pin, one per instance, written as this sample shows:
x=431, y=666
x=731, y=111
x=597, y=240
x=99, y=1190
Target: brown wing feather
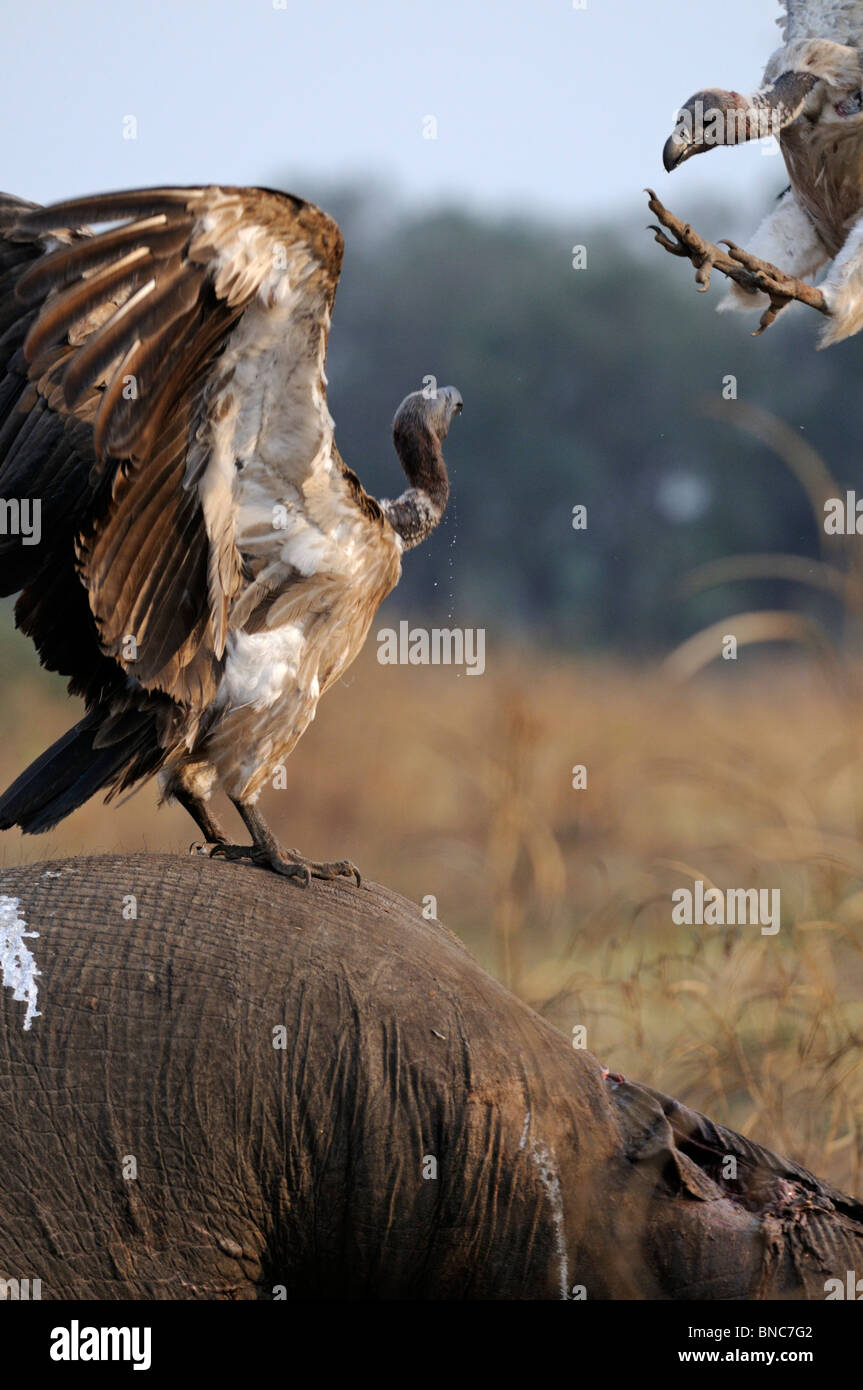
x=123, y=330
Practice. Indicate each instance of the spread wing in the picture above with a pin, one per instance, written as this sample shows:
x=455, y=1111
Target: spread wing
x=138, y=372
x=838, y=20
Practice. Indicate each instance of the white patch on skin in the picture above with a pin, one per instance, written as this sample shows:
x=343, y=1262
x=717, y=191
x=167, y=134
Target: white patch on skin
x=843, y=290
x=523, y=1139
x=786, y=239
x=17, y=963
x=51, y=874
x=546, y=1166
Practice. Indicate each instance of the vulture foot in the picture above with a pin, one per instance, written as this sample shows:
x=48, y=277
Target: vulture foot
x=748, y=271
x=314, y=868
x=266, y=851
x=289, y=862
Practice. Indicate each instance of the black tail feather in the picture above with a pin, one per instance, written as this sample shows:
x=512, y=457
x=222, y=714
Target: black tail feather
x=69, y=772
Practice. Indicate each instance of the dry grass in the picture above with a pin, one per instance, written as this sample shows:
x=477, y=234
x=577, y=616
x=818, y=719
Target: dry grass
x=460, y=787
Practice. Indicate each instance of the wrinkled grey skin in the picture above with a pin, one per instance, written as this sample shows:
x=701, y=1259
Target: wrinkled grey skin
x=423, y=1134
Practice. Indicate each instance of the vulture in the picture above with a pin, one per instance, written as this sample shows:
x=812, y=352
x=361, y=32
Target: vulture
x=208, y=565
x=811, y=98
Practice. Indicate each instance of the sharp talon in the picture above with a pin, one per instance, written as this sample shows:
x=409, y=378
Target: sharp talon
x=746, y=270
x=222, y=851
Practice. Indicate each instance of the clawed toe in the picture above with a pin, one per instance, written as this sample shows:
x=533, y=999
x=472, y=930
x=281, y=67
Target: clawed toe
x=265, y=858
x=341, y=868
x=747, y=270
x=294, y=865
x=223, y=851
x=289, y=863
x=336, y=868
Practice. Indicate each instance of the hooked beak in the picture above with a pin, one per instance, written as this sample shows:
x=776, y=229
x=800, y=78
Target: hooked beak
x=679, y=147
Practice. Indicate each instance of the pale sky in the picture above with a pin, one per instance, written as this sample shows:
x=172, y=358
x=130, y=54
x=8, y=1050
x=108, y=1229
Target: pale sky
x=539, y=106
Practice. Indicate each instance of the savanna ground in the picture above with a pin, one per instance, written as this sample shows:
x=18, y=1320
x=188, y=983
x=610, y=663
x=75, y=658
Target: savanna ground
x=750, y=774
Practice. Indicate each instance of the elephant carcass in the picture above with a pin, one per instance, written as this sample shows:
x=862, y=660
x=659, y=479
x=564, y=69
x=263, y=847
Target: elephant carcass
x=216, y=1085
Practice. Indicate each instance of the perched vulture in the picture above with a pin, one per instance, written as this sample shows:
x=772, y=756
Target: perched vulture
x=208, y=564
x=812, y=99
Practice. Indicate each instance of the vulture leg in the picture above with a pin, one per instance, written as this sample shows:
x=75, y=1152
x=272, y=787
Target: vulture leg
x=747, y=270
x=207, y=824
x=266, y=851
x=786, y=237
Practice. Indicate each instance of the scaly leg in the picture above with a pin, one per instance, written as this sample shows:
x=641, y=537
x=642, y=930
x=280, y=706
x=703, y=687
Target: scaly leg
x=747, y=270
x=266, y=851
x=206, y=822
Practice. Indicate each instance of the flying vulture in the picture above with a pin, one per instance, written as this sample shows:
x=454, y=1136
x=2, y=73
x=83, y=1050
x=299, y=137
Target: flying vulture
x=812, y=99
x=208, y=564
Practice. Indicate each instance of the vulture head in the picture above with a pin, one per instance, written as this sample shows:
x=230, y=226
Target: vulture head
x=813, y=78
x=428, y=411
x=420, y=426
x=716, y=117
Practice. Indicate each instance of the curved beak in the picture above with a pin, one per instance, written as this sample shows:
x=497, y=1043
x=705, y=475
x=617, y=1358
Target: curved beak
x=678, y=147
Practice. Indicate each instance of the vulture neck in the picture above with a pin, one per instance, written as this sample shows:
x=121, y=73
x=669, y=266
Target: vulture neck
x=417, y=512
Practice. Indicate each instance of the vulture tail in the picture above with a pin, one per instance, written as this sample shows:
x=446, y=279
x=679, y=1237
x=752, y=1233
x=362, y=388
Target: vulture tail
x=75, y=767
